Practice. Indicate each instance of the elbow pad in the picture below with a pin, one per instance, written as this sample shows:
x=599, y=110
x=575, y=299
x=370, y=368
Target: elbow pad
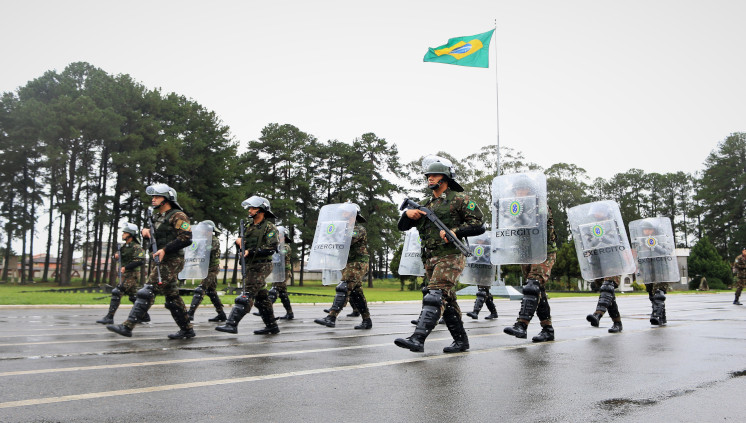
x=472, y=230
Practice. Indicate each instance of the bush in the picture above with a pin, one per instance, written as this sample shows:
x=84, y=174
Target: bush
x=716, y=283
x=638, y=286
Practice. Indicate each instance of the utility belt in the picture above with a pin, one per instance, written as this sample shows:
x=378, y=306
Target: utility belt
x=439, y=251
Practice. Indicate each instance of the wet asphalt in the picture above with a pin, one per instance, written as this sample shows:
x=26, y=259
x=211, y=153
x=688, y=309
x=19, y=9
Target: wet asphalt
x=57, y=365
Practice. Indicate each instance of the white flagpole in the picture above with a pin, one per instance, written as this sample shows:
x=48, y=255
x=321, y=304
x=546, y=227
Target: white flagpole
x=497, y=120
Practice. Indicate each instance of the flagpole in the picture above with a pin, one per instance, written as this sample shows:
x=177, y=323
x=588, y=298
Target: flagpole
x=497, y=120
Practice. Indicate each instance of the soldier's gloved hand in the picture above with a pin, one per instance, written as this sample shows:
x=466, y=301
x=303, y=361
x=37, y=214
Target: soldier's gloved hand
x=249, y=253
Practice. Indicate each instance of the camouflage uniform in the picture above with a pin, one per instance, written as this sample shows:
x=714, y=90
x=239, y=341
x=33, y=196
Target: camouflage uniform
x=739, y=265
x=443, y=265
x=537, y=303
x=606, y=301
x=279, y=289
x=172, y=234
x=354, y=271
x=261, y=241
x=209, y=284
x=132, y=257
x=484, y=296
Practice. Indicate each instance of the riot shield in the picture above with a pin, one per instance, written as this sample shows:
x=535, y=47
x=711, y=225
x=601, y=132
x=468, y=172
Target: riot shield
x=479, y=269
x=600, y=240
x=278, y=260
x=197, y=254
x=331, y=242
x=411, y=255
x=519, y=216
x=331, y=277
x=653, y=244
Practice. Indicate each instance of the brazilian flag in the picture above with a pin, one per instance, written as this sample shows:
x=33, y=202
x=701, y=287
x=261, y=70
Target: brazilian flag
x=464, y=51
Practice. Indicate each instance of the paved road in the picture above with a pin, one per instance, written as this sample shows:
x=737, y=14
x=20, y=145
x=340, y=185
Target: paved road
x=57, y=365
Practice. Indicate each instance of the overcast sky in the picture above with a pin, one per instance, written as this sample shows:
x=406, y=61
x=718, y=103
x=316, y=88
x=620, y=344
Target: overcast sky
x=605, y=85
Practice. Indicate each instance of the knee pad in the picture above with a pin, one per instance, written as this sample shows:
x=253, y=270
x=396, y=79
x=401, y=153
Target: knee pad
x=199, y=291
x=434, y=298
x=482, y=295
x=532, y=288
x=116, y=292
x=242, y=300
x=272, y=294
x=659, y=296
x=145, y=293
x=342, y=287
x=424, y=290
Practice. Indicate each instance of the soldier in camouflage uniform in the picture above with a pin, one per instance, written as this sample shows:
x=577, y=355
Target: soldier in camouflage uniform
x=534, y=294
x=210, y=283
x=443, y=261
x=605, y=286
x=352, y=279
x=261, y=239
x=132, y=257
x=172, y=234
x=280, y=289
x=484, y=297
x=656, y=290
x=739, y=267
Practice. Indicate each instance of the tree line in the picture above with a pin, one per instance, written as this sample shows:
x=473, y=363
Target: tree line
x=79, y=147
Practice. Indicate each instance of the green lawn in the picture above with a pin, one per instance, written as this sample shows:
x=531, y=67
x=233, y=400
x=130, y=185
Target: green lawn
x=384, y=290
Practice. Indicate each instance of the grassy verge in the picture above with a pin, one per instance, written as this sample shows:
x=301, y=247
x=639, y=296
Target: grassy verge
x=384, y=290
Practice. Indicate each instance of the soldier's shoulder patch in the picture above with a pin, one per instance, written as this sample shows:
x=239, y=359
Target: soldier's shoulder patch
x=141, y=254
x=270, y=234
x=354, y=233
x=183, y=225
x=471, y=206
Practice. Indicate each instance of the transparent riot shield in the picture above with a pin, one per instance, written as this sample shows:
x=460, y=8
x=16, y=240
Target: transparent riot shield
x=331, y=242
x=519, y=216
x=479, y=269
x=278, y=260
x=411, y=255
x=600, y=240
x=197, y=254
x=331, y=277
x=653, y=244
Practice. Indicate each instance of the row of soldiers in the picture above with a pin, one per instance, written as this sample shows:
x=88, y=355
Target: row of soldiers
x=523, y=233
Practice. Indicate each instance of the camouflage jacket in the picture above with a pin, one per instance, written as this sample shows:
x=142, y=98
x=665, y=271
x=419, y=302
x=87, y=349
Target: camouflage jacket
x=288, y=264
x=358, y=245
x=215, y=253
x=739, y=265
x=172, y=232
x=551, y=235
x=133, y=255
x=457, y=211
x=261, y=241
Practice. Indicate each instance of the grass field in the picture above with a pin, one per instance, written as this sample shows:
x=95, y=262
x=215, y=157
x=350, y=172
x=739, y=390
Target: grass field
x=310, y=292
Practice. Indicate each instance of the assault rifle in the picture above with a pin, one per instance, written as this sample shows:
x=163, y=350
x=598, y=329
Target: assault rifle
x=119, y=268
x=154, y=246
x=409, y=204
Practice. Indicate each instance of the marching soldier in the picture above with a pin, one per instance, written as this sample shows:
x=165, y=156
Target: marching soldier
x=444, y=262
x=210, y=283
x=260, y=242
x=484, y=297
x=172, y=235
x=351, y=285
x=739, y=267
x=280, y=289
x=132, y=257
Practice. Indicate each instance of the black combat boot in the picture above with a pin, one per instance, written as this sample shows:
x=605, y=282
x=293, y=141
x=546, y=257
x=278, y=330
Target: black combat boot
x=594, y=318
x=288, y=316
x=518, y=330
x=221, y=317
x=199, y=295
x=107, y=320
x=120, y=329
x=546, y=334
x=478, y=303
x=184, y=333
x=354, y=313
x=328, y=321
x=616, y=327
x=366, y=324
x=490, y=316
x=491, y=307
x=425, y=324
x=456, y=327
x=181, y=317
x=270, y=324
x=240, y=308
x=288, y=308
x=736, y=302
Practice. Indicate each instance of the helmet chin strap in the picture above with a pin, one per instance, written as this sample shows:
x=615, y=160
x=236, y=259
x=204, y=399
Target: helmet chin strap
x=160, y=205
x=436, y=185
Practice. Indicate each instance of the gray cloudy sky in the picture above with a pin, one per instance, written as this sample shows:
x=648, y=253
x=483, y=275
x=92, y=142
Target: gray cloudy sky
x=589, y=82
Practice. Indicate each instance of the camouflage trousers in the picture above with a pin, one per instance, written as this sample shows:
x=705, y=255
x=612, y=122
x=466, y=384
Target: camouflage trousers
x=210, y=283
x=353, y=274
x=652, y=287
x=169, y=285
x=541, y=272
x=255, y=286
x=130, y=279
x=739, y=286
x=613, y=308
x=442, y=273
